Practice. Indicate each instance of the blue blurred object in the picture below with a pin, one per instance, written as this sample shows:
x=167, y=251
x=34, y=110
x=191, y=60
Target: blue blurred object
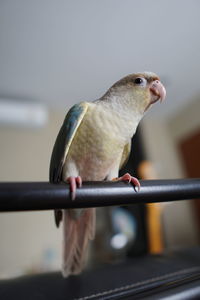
x=124, y=226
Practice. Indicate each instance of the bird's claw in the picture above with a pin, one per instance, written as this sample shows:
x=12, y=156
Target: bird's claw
x=74, y=183
x=130, y=179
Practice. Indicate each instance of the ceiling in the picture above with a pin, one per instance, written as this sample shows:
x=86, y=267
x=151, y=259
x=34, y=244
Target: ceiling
x=62, y=52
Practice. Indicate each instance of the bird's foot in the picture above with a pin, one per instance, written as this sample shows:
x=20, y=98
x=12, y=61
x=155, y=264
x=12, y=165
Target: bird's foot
x=130, y=179
x=74, y=183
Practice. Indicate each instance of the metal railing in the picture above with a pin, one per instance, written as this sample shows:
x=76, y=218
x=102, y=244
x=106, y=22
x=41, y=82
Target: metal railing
x=22, y=196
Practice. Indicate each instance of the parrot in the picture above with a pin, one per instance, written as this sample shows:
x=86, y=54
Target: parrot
x=93, y=144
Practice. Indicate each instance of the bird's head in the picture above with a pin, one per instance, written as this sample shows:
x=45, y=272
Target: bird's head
x=140, y=90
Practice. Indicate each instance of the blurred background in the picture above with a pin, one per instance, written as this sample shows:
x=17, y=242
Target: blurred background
x=54, y=54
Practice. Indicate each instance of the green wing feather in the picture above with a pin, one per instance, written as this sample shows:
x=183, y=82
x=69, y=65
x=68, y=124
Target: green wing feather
x=62, y=144
x=125, y=155
x=64, y=139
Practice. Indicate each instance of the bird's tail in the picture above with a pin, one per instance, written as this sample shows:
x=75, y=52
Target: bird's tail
x=77, y=230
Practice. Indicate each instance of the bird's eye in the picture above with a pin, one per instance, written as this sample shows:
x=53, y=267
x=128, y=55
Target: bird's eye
x=140, y=81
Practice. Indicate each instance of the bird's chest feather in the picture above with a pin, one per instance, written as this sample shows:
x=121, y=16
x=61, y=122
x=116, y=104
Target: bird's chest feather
x=97, y=144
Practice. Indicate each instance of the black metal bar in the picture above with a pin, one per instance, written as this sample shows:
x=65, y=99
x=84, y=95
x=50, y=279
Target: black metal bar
x=20, y=196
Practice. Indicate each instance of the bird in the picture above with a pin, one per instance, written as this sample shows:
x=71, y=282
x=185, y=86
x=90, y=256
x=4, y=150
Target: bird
x=93, y=144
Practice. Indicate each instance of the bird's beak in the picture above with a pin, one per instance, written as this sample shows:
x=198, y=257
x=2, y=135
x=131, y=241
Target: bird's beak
x=157, y=90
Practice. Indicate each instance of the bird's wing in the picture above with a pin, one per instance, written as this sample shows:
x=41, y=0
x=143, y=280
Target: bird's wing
x=125, y=155
x=62, y=144
x=64, y=139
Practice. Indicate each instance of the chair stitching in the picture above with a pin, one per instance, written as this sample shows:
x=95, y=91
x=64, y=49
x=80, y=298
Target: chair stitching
x=136, y=284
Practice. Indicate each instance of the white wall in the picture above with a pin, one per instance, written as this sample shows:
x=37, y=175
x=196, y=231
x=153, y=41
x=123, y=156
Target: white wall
x=28, y=239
